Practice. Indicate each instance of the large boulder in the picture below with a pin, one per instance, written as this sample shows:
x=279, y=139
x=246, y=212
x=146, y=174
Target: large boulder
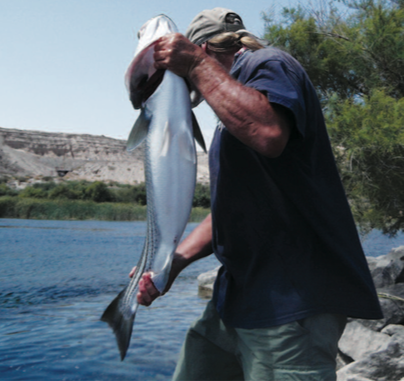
x=373, y=350
x=388, y=269
x=359, y=341
x=384, y=364
x=205, y=283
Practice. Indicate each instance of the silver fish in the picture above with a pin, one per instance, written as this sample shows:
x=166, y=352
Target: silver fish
x=166, y=123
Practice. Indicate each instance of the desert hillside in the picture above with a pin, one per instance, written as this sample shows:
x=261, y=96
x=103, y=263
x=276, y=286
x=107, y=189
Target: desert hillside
x=38, y=154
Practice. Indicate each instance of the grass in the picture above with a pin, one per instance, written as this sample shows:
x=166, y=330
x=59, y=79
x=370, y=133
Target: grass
x=44, y=209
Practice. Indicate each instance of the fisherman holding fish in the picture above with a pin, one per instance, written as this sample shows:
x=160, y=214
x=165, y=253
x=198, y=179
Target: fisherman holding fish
x=293, y=268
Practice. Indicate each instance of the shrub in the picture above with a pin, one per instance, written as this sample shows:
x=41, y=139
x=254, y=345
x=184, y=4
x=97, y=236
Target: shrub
x=98, y=192
x=201, y=196
x=7, y=191
x=31, y=192
x=63, y=191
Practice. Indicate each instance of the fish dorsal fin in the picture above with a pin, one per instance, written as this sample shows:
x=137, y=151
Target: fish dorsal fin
x=139, y=131
x=197, y=132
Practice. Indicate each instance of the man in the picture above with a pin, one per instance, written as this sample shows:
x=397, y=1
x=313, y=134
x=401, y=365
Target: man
x=293, y=267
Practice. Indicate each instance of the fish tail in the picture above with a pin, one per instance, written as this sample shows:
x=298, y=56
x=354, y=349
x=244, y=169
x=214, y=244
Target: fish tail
x=121, y=323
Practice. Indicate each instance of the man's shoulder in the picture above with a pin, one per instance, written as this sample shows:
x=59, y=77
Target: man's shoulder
x=272, y=54
x=268, y=57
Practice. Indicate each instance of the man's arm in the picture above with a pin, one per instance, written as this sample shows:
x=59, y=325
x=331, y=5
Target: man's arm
x=245, y=112
x=197, y=245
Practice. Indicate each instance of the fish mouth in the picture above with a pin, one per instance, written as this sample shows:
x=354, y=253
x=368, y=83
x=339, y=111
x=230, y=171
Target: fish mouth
x=146, y=87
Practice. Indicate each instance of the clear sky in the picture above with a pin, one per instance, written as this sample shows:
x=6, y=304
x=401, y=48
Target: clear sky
x=62, y=62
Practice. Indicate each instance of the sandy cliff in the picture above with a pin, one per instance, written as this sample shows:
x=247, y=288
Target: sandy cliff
x=87, y=157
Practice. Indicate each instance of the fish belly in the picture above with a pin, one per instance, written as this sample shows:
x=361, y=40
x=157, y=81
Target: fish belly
x=170, y=170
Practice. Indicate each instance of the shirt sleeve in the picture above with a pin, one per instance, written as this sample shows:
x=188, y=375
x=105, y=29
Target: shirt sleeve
x=282, y=86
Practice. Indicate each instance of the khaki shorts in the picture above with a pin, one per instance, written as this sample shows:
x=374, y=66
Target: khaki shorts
x=301, y=350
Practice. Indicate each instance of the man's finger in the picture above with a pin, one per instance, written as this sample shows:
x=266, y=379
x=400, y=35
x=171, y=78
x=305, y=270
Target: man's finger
x=132, y=272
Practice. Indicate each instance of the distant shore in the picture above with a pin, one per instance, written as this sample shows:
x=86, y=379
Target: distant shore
x=43, y=209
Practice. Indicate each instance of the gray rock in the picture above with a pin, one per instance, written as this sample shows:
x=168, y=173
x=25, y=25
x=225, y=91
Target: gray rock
x=385, y=364
x=392, y=303
x=342, y=360
x=388, y=269
x=358, y=341
x=207, y=280
x=395, y=331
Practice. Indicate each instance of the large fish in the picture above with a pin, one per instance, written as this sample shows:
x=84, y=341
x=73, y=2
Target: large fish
x=166, y=123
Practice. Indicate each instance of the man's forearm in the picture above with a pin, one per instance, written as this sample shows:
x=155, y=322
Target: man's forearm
x=197, y=245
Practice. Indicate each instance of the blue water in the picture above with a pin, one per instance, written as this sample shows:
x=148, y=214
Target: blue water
x=56, y=279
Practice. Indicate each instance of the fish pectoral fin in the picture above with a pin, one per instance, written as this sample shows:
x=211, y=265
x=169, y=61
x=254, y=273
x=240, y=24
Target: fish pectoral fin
x=166, y=140
x=139, y=131
x=198, y=133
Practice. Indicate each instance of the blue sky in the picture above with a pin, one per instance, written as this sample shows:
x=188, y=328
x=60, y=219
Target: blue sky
x=62, y=62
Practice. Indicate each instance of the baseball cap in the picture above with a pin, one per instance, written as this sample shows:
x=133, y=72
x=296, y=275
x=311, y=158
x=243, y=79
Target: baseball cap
x=211, y=22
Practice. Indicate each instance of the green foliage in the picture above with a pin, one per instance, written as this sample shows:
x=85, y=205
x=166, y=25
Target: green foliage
x=31, y=192
x=97, y=192
x=368, y=142
x=62, y=209
x=45, y=186
x=81, y=190
x=356, y=63
x=31, y=208
x=201, y=196
x=64, y=191
x=7, y=191
x=81, y=200
x=198, y=214
x=136, y=193
x=348, y=54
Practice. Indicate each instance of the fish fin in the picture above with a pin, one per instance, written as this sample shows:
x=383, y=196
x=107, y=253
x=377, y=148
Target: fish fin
x=121, y=325
x=165, y=144
x=187, y=147
x=198, y=133
x=139, y=131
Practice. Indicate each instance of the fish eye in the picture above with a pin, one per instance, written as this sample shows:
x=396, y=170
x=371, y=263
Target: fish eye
x=141, y=31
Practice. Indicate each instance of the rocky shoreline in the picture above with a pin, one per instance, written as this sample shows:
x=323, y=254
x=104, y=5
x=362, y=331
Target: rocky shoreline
x=33, y=155
x=369, y=350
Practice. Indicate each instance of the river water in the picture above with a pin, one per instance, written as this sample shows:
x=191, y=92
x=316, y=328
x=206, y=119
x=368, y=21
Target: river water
x=56, y=279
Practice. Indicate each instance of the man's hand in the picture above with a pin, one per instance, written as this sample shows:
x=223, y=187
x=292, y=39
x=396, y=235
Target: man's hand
x=147, y=291
x=176, y=53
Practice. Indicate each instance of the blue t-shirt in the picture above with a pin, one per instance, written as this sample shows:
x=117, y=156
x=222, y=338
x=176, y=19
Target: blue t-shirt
x=282, y=227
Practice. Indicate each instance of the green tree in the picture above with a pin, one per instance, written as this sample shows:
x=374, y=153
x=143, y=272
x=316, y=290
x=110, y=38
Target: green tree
x=63, y=191
x=130, y=193
x=7, y=191
x=98, y=192
x=355, y=59
x=31, y=192
x=201, y=196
